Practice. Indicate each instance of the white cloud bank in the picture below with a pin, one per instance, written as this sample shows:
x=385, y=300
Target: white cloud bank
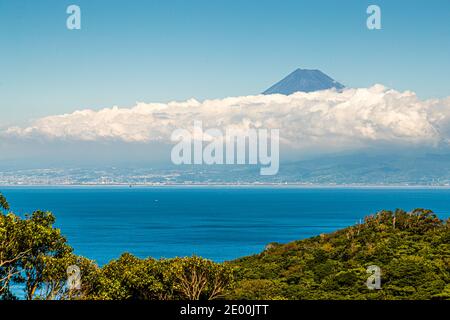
x=325, y=119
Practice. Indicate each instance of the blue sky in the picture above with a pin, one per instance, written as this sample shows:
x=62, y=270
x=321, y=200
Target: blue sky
x=153, y=51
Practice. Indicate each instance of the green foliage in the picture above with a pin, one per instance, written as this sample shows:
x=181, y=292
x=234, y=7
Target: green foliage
x=29, y=249
x=167, y=279
x=133, y=278
x=411, y=248
x=54, y=278
x=44, y=244
x=259, y=289
x=4, y=205
x=198, y=278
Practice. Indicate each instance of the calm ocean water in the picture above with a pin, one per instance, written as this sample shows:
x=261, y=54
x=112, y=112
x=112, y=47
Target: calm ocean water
x=220, y=223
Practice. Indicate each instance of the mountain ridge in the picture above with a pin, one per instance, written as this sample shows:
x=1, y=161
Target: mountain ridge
x=304, y=80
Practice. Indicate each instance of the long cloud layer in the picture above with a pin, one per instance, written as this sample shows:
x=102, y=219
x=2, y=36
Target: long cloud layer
x=325, y=119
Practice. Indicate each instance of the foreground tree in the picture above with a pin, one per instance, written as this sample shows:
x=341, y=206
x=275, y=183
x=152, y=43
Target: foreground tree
x=131, y=278
x=29, y=248
x=55, y=278
x=199, y=278
x=4, y=205
x=11, y=251
x=42, y=242
x=191, y=278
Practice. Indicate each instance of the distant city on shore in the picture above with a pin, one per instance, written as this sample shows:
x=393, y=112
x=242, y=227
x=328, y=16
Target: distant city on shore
x=362, y=170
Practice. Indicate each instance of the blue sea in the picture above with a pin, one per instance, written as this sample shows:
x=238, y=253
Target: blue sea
x=220, y=223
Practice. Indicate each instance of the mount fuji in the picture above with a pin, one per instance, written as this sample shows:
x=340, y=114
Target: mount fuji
x=304, y=80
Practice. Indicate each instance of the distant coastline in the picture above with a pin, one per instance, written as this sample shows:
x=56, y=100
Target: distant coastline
x=230, y=185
